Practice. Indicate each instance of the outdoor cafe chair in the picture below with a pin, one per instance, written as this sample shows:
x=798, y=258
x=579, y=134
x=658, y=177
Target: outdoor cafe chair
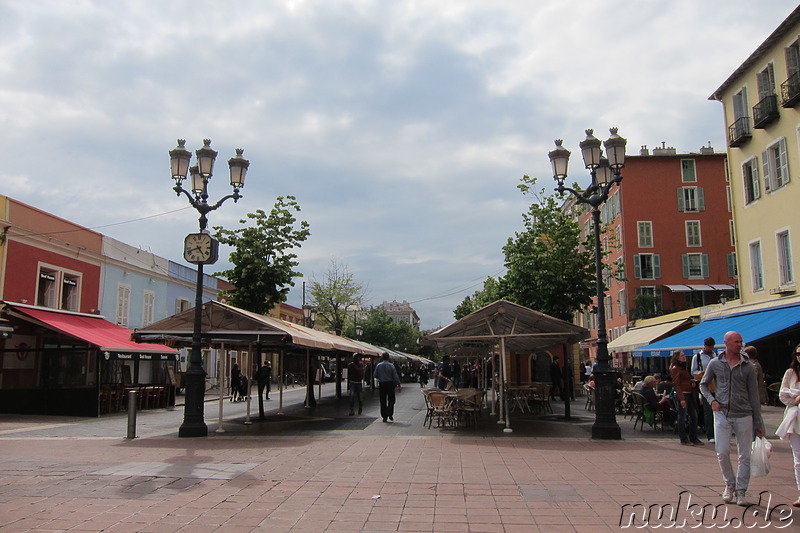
x=443, y=409
x=645, y=414
x=589, y=390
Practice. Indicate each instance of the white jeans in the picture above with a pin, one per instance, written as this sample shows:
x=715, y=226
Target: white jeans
x=794, y=440
x=742, y=428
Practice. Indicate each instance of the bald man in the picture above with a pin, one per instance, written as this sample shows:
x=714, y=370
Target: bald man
x=737, y=411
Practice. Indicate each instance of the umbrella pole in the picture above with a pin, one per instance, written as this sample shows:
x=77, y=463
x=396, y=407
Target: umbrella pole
x=280, y=383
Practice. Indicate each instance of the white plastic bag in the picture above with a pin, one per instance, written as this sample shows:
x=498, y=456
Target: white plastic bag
x=759, y=457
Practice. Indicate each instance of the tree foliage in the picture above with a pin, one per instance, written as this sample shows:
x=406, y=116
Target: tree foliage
x=381, y=330
x=264, y=263
x=493, y=290
x=550, y=268
x=335, y=294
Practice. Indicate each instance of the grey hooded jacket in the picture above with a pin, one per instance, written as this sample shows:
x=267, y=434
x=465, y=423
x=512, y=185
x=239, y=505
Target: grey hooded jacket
x=737, y=388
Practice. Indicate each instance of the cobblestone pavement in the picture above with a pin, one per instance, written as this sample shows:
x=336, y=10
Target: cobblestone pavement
x=320, y=470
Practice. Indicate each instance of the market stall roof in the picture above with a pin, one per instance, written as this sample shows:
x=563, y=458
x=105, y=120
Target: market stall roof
x=636, y=337
x=92, y=329
x=225, y=323
x=521, y=328
x=753, y=325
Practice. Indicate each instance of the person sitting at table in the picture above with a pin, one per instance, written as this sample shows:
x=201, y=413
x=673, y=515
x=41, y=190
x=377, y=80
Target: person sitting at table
x=664, y=405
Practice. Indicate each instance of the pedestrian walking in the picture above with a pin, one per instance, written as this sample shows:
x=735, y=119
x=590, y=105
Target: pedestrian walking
x=698, y=367
x=355, y=381
x=388, y=381
x=737, y=411
x=682, y=382
x=790, y=426
x=236, y=381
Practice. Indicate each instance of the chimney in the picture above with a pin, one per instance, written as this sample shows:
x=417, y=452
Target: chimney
x=644, y=150
x=707, y=149
x=664, y=150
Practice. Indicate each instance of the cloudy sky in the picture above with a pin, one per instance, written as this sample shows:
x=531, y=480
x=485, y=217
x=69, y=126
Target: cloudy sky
x=402, y=126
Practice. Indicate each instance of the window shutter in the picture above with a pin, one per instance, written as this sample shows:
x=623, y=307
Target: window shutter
x=685, y=264
x=701, y=199
x=681, y=205
x=637, y=267
x=731, y=260
x=656, y=266
x=765, y=170
x=704, y=265
x=783, y=163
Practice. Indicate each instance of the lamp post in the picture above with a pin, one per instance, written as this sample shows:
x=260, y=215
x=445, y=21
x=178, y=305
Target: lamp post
x=605, y=172
x=200, y=249
x=310, y=316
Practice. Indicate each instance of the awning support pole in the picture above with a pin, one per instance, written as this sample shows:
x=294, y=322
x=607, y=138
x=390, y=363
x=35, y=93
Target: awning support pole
x=505, y=384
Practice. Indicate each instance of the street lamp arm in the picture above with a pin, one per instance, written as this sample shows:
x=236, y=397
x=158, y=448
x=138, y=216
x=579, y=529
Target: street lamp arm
x=222, y=200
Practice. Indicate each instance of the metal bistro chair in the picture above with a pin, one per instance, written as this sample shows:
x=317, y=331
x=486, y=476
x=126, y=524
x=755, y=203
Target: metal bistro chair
x=589, y=390
x=774, y=393
x=442, y=409
x=645, y=414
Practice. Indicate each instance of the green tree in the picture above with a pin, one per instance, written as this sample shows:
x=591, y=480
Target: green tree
x=334, y=295
x=493, y=290
x=264, y=263
x=550, y=267
x=381, y=330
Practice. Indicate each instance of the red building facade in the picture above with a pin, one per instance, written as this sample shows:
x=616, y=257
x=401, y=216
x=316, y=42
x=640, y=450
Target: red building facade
x=667, y=237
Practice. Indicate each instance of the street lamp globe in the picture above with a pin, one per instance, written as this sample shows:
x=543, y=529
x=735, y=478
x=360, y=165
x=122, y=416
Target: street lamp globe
x=590, y=149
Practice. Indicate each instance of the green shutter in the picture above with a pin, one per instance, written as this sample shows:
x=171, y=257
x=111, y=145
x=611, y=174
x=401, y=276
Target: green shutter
x=637, y=267
x=704, y=265
x=685, y=263
x=681, y=206
x=701, y=199
x=656, y=266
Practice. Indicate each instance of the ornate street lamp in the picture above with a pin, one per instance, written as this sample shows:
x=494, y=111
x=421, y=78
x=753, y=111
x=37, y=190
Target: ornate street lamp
x=200, y=249
x=605, y=172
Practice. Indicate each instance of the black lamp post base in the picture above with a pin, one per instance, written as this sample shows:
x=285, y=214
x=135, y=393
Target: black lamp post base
x=193, y=430
x=606, y=432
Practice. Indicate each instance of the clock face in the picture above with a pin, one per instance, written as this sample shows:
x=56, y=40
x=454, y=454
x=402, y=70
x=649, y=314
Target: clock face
x=200, y=248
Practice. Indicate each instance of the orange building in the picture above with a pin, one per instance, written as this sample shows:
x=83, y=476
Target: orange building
x=667, y=237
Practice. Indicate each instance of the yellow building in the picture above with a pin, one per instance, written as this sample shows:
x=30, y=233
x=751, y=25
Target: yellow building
x=761, y=103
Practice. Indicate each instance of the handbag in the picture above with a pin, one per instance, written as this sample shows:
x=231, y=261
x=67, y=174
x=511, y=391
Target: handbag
x=759, y=457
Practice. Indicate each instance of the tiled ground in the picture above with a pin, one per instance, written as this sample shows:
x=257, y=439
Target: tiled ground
x=341, y=474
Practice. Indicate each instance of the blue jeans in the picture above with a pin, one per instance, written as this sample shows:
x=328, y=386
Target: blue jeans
x=355, y=391
x=743, y=429
x=708, y=419
x=692, y=410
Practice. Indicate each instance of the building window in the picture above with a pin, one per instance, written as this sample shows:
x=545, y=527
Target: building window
x=123, y=304
x=775, y=166
x=645, y=232
x=785, y=273
x=695, y=265
x=648, y=302
x=688, y=173
x=733, y=270
x=623, y=305
x=58, y=289
x=70, y=293
x=148, y=308
x=647, y=266
x=47, y=291
x=756, y=267
x=691, y=199
x=752, y=189
x=181, y=304
x=693, y=233
x=732, y=231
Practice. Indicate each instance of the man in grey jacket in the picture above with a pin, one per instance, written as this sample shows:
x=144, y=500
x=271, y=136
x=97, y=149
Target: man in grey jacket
x=737, y=410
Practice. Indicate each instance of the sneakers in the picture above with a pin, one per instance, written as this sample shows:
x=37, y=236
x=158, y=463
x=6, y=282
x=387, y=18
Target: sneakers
x=697, y=442
x=741, y=498
x=796, y=503
x=712, y=440
x=728, y=494
x=686, y=443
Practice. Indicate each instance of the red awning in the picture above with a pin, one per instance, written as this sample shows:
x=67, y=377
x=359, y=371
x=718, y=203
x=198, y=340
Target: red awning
x=96, y=330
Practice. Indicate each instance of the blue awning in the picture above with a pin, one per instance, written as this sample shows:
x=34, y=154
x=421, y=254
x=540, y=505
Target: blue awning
x=752, y=326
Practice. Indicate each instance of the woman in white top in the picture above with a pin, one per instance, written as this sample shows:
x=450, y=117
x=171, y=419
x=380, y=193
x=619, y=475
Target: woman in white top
x=790, y=396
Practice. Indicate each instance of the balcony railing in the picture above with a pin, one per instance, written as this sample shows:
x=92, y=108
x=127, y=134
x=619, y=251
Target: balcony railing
x=739, y=132
x=790, y=90
x=766, y=112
